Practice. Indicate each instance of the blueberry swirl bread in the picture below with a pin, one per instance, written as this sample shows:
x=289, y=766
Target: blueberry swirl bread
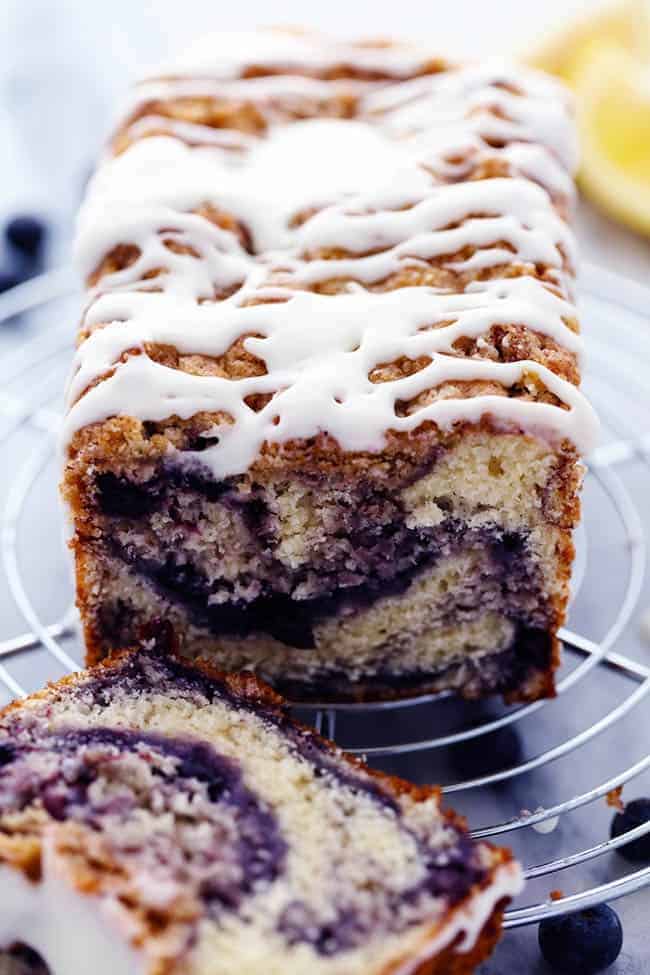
x=324, y=417
x=159, y=819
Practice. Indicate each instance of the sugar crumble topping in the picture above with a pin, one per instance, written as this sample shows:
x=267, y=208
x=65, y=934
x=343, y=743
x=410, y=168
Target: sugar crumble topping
x=355, y=200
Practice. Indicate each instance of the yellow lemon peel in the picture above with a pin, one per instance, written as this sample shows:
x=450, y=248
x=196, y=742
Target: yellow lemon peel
x=613, y=114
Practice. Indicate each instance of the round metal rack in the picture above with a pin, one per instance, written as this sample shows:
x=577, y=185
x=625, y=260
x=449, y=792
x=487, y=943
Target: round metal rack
x=34, y=646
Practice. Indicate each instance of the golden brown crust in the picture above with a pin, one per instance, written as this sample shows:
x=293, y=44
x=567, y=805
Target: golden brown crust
x=127, y=445
x=125, y=442
x=452, y=962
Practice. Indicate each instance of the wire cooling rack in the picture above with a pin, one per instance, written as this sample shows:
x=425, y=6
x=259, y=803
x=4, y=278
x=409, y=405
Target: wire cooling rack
x=591, y=740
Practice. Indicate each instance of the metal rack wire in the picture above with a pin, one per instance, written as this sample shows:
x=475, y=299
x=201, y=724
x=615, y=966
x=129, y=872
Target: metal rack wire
x=31, y=410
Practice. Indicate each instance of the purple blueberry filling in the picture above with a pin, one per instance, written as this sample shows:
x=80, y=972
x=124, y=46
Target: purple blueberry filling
x=449, y=874
x=374, y=554
x=67, y=773
x=289, y=620
x=120, y=498
x=399, y=556
x=530, y=652
x=130, y=499
x=145, y=671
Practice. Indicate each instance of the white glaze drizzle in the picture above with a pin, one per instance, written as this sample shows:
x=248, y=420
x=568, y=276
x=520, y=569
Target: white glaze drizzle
x=275, y=97
x=158, y=180
x=72, y=932
x=67, y=928
x=409, y=139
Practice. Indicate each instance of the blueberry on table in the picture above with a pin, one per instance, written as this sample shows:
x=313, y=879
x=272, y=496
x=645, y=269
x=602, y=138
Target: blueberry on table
x=489, y=753
x=635, y=814
x=26, y=234
x=583, y=943
x=9, y=279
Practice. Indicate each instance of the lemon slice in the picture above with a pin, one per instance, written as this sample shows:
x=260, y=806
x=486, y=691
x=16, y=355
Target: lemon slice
x=624, y=24
x=613, y=112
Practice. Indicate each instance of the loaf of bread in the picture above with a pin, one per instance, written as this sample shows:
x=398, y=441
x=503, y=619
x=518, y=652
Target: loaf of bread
x=324, y=419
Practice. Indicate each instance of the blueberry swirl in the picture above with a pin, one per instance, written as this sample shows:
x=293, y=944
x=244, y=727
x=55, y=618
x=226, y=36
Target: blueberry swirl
x=175, y=813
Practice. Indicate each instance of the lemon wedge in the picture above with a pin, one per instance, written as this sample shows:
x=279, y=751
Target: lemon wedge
x=624, y=24
x=605, y=58
x=613, y=114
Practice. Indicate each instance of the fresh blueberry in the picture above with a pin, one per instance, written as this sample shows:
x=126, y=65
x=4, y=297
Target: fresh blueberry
x=489, y=753
x=635, y=814
x=9, y=279
x=26, y=234
x=583, y=943
x=7, y=753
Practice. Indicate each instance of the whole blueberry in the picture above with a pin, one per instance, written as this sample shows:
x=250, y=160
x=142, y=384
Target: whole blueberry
x=26, y=233
x=635, y=814
x=583, y=943
x=489, y=753
x=9, y=279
